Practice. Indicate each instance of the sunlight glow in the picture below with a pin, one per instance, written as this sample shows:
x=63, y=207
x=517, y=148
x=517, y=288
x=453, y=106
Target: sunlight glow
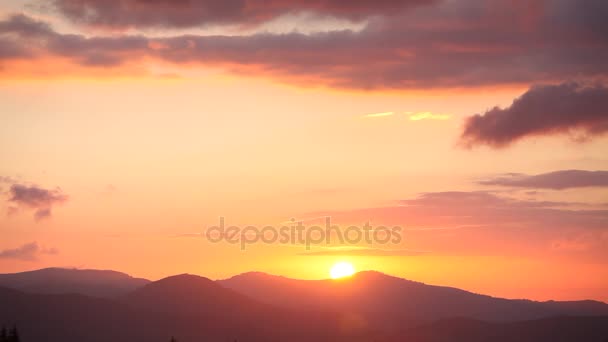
x=341, y=270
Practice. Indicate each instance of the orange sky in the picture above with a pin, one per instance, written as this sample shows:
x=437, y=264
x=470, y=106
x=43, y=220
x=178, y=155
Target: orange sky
x=150, y=153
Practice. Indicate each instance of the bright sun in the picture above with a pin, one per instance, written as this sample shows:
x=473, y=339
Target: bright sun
x=341, y=270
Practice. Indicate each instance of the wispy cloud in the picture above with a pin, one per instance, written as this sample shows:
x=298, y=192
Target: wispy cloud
x=558, y=180
x=483, y=223
x=27, y=252
x=8, y=180
x=417, y=116
x=379, y=115
x=413, y=116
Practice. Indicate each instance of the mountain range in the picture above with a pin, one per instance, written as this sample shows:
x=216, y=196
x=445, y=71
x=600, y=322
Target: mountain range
x=85, y=305
x=94, y=283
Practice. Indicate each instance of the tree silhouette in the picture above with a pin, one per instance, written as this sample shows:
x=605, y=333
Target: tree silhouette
x=13, y=335
x=9, y=335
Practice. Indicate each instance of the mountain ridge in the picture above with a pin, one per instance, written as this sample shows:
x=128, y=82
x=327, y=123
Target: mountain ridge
x=195, y=308
x=56, y=280
x=138, y=282
x=373, y=292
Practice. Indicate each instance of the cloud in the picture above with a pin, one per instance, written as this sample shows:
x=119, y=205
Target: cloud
x=379, y=115
x=483, y=223
x=474, y=209
x=27, y=252
x=8, y=180
x=39, y=199
x=332, y=251
x=427, y=116
x=121, y=14
x=558, y=180
x=466, y=43
x=42, y=214
x=542, y=110
x=412, y=116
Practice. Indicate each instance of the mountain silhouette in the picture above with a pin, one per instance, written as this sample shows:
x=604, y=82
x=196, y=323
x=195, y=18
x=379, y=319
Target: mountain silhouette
x=371, y=293
x=192, y=295
x=93, y=283
x=369, y=306
x=189, y=307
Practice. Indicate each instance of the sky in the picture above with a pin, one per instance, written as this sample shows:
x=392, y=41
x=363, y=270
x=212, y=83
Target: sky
x=128, y=128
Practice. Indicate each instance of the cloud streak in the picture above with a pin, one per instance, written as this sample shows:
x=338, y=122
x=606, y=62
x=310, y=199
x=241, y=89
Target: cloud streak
x=484, y=223
x=379, y=115
x=27, y=252
x=427, y=116
x=449, y=209
x=558, y=180
x=542, y=110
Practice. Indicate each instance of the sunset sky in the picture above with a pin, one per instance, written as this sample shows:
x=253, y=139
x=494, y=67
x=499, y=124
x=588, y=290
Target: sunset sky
x=127, y=128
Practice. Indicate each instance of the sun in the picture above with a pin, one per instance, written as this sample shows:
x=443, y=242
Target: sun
x=341, y=270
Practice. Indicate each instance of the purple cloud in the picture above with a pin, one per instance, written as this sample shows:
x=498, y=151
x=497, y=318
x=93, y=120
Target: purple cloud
x=484, y=223
x=454, y=209
x=193, y=13
x=464, y=43
x=558, y=180
x=27, y=252
x=542, y=110
x=33, y=197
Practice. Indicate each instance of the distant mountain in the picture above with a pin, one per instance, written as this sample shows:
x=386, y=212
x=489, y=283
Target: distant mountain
x=396, y=300
x=367, y=307
x=93, y=283
x=189, y=307
x=189, y=294
x=72, y=318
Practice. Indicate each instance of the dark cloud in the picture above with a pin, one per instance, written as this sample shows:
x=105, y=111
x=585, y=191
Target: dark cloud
x=446, y=44
x=189, y=13
x=542, y=110
x=39, y=199
x=27, y=252
x=11, y=50
x=557, y=180
x=25, y=26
